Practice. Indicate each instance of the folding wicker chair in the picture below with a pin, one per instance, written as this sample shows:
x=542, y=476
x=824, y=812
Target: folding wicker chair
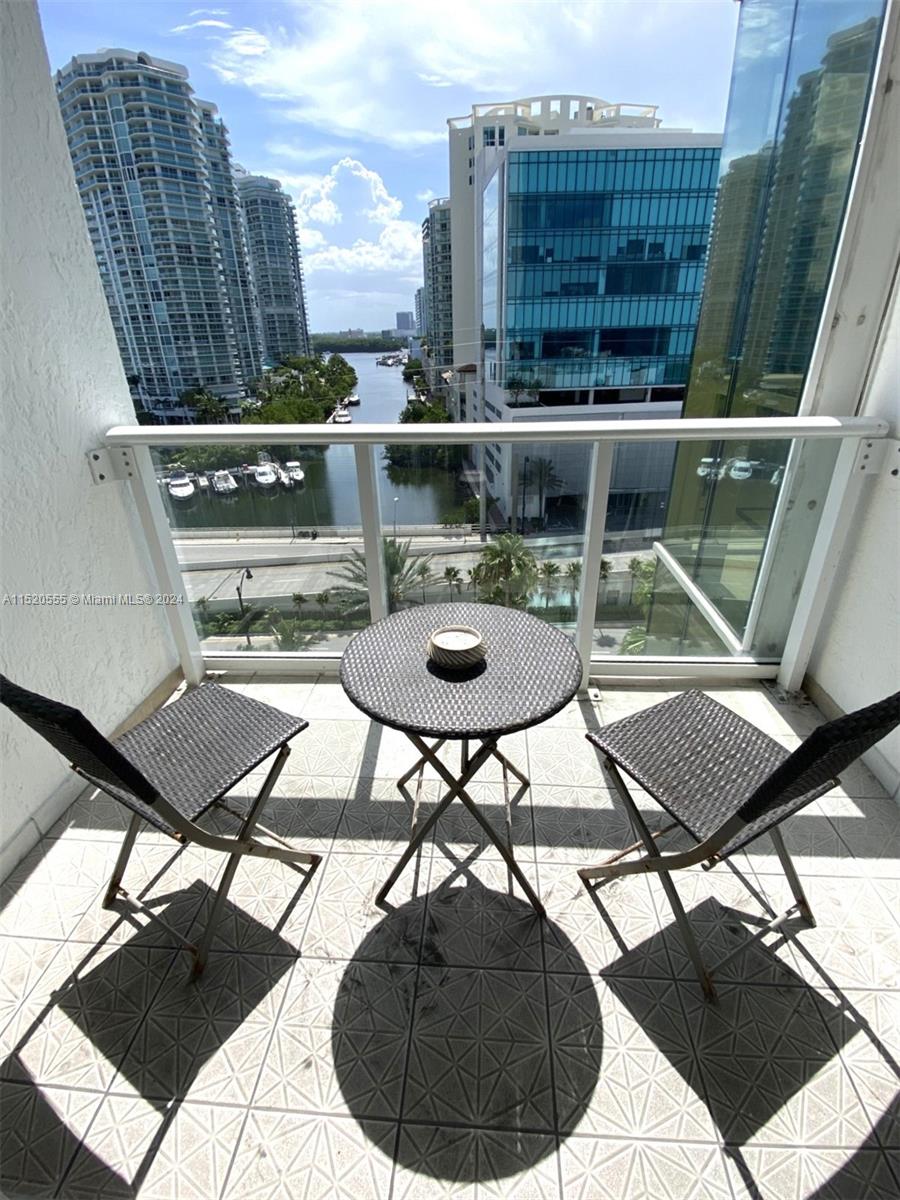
x=170, y=768
x=725, y=783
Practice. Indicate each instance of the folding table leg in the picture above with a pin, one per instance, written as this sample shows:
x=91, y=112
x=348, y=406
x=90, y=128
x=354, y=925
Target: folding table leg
x=430, y=755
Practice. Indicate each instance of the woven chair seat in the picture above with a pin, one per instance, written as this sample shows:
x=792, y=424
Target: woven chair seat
x=196, y=749
x=700, y=761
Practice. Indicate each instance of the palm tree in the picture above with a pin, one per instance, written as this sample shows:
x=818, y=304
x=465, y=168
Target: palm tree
x=453, y=579
x=423, y=572
x=507, y=569
x=402, y=573
x=210, y=410
x=473, y=577
x=573, y=575
x=634, y=641
x=548, y=572
x=322, y=599
x=298, y=600
x=542, y=476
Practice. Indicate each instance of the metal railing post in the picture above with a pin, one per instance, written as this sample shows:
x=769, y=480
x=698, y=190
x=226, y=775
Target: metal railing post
x=370, y=519
x=150, y=508
x=594, y=533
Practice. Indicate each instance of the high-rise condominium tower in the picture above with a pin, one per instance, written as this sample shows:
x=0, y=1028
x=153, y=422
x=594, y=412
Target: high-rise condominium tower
x=438, y=306
x=153, y=166
x=275, y=264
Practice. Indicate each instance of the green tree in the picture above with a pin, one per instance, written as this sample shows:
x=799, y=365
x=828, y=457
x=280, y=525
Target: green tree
x=548, y=572
x=643, y=576
x=423, y=574
x=473, y=577
x=322, y=600
x=634, y=641
x=403, y=573
x=453, y=579
x=543, y=479
x=573, y=575
x=209, y=409
x=288, y=632
x=507, y=569
x=298, y=600
x=516, y=386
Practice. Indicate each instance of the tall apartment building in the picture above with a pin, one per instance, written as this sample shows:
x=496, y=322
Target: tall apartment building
x=578, y=267
x=153, y=169
x=421, y=319
x=406, y=322
x=437, y=267
x=276, y=266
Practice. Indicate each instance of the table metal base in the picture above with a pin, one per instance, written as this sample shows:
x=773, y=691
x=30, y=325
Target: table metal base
x=470, y=765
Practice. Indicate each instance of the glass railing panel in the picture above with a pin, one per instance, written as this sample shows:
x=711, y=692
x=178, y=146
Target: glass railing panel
x=715, y=522
x=269, y=542
x=501, y=523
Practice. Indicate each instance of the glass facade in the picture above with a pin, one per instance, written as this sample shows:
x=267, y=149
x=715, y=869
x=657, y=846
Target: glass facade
x=605, y=254
x=800, y=87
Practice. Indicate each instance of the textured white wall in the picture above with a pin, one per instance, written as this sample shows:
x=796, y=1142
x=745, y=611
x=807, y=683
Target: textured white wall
x=857, y=655
x=61, y=388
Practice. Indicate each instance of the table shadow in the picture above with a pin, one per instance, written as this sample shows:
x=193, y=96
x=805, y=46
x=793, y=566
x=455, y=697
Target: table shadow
x=476, y=1050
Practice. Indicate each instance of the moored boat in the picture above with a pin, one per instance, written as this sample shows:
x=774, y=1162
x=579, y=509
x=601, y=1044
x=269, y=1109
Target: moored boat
x=180, y=484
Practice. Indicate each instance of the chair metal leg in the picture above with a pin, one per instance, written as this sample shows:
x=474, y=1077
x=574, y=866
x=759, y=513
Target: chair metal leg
x=118, y=874
x=681, y=917
x=202, y=952
x=793, y=878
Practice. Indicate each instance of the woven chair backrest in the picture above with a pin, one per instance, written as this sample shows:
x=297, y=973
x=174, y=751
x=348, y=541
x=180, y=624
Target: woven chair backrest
x=827, y=751
x=72, y=734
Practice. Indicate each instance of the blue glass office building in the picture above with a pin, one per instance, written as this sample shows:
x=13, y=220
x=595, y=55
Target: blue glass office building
x=592, y=271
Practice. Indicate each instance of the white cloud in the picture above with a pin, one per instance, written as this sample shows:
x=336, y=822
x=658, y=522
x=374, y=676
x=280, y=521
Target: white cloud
x=304, y=154
x=204, y=24
x=425, y=195
x=397, y=249
x=208, y=12
x=394, y=72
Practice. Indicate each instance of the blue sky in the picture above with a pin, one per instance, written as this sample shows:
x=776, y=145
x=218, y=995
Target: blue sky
x=346, y=102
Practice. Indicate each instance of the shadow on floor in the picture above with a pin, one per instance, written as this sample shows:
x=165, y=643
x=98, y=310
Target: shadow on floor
x=145, y=1025
x=476, y=1055
x=764, y=1046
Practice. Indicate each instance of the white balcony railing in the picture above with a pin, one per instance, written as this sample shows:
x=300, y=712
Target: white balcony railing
x=856, y=461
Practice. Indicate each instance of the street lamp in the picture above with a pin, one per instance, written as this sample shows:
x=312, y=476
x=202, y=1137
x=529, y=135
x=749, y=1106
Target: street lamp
x=396, y=501
x=245, y=574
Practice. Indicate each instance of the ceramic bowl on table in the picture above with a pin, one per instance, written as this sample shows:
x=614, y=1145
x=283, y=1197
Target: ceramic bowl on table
x=456, y=647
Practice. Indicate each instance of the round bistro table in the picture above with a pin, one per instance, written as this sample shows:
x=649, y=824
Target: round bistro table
x=530, y=672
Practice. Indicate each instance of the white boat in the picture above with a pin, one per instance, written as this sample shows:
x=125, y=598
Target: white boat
x=284, y=478
x=180, y=484
x=295, y=471
x=265, y=475
x=352, y=399
x=223, y=483
x=342, y=417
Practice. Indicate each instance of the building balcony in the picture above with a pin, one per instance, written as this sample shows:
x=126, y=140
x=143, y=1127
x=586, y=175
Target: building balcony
x=454, y=1042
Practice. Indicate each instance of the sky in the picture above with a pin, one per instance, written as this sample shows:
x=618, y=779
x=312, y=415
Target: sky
x=346, y=102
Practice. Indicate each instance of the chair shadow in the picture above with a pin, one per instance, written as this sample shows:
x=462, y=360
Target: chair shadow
x=157, y=1027
x=763, y=1042
x=470, y=1046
